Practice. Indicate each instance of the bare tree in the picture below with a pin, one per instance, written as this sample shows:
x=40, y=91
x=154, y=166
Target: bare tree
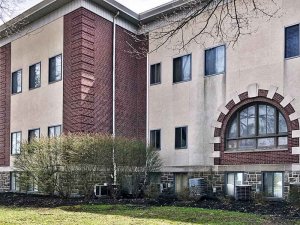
x=198, y=20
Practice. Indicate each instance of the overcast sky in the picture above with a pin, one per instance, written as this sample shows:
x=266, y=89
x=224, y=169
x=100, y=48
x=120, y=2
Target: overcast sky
x=135, y=5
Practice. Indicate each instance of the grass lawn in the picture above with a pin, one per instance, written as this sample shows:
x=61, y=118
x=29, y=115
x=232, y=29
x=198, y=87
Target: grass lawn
x=125, y=215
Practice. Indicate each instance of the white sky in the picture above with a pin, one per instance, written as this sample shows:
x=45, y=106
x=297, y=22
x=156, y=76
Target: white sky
x=135, y=5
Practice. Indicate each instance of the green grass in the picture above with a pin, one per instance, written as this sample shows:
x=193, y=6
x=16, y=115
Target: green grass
x=125, y=215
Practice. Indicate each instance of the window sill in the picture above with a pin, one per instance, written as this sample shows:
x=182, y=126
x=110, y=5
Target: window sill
x=292, y=57
x=255, y=150
x=216, y=74
x=154, y=84
x=183, y=81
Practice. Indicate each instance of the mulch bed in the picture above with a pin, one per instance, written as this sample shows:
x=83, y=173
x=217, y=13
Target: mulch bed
x=277, y=209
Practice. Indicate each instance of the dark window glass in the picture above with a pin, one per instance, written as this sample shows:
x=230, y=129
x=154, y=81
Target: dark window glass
x=54, y=131
x=35, y=76
x=55, y=68
x=33, y=134
x=155, y=74
x=17, y=82
x=155, y=138
x=292, y=41
x=273, y=184
x=181, y=137
x=182, y=68
x=215, y=60
x=16, y=143
x=257, y=126
x=232, y=180
x=14, y=181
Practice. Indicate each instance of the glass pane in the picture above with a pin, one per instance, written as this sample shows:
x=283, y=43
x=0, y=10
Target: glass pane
x=292, y=41
x=55, y=68
x=232, y=144
x=233, y=131
x=247, y=122
x=157, y=139
x=19, y=81
x=262, y=119
x=210, y=61
x=239, y=179
x=278, y=188
x=230, y=184
x=220, y=59
x=152, y=138
x=157, y=74
x=186, y=67
x=177, y=70
x=178, y=138
x=268, y=184
x=282, y=141
x=282, y=124
x=247, y=144
x=57, y=131
x=266, y=142
x=271, y=114
x=152, y=74
x=184, y=137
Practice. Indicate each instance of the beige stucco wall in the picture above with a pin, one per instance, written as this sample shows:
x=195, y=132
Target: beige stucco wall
x=40, y=107
x=257, y=58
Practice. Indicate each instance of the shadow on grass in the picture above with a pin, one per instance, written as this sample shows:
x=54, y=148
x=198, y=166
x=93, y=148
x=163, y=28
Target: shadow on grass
x=176, y=214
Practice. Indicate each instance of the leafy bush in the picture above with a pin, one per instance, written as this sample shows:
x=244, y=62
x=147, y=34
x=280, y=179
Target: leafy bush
x=74, y=163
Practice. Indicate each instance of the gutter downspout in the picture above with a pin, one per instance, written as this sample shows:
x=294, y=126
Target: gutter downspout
x=147, y=103
x=114, y=92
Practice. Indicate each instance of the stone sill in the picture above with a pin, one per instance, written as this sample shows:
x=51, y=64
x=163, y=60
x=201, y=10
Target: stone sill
x=256, y=150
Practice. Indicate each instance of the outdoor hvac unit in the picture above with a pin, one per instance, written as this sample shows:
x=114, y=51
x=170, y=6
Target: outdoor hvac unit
x=100, y=190
x=198, y=186
x=243, y=192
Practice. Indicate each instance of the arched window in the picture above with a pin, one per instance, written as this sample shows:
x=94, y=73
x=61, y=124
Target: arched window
x=257, y=126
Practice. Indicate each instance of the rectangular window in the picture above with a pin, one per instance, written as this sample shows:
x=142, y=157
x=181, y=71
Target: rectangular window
x=232, y=180
x=14, y=181
x=55, y=68
x=17, y=82
x=215, y=60
x=155, y=139
x=155, y=73
x=33, y=134
x=292, y=41
x=35, y=76
x=273, y=184
x=181, y=137
x=54, y=131
x=182, y=68
x=16, y=143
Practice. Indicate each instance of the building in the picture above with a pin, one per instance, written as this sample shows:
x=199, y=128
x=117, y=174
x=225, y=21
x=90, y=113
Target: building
x=212, y=110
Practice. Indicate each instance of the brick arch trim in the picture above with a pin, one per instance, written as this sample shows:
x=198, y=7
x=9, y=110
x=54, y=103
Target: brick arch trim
x=283, y=104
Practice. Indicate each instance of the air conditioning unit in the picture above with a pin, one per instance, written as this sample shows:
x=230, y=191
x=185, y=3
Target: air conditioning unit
x=243, y=192
x=198, y=186
x=101, y=190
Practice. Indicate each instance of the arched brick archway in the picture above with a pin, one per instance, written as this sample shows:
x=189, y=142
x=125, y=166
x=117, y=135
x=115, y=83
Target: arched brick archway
x=283, y=104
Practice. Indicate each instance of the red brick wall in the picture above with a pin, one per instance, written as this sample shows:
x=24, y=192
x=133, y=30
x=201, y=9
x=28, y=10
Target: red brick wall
x=131, y=85
x=88, y=78
x=5, y=94
x=262, y=157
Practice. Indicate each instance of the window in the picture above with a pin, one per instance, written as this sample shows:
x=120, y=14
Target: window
x=155, y=73
x=258, y=126
x=182, y=69
x=215, y=60
x=181, y=137
x=181, y=182
x=54, y=131
x=292, y=41
x=14, y=181
x=16, y=143
x=232, y=180
x=35, y=76
x=155, y=139
x=273, y=184
x=33, y=134
x=55, y=68
x=17, y=82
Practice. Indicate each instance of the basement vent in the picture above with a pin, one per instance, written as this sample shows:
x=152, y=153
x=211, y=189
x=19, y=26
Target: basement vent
x=243, y=192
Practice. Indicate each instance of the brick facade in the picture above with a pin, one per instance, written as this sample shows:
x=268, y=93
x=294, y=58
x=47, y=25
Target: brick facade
x=88, y=40
x=257, y=157
x=5, y=94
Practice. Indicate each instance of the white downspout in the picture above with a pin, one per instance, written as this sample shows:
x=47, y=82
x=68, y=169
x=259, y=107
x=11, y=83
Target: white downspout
x=114, y=92
x=147, y=103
